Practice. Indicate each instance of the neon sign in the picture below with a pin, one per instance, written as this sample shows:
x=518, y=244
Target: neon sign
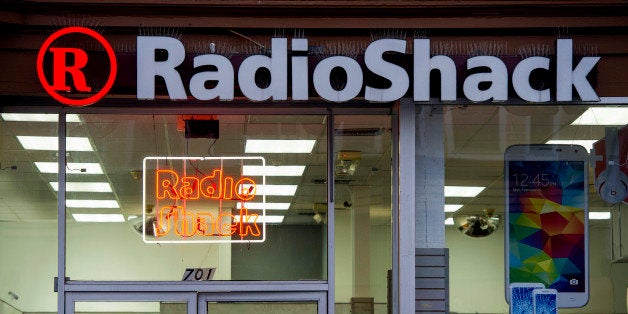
x=200, y=199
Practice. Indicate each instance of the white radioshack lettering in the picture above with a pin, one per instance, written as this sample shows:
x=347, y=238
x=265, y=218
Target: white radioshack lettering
x=491, y=84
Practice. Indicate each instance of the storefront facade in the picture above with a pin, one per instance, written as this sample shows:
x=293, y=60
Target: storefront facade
x=144, y=145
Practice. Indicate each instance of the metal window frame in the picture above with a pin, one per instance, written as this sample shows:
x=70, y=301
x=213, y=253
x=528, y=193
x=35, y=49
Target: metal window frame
x=71, y=290
x=115, y=296
x=319, y=297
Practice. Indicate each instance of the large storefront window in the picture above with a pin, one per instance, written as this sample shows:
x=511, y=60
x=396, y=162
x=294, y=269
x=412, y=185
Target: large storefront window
x=138, y=152
x=363, y=233
x=476, y=139
x=28, y=211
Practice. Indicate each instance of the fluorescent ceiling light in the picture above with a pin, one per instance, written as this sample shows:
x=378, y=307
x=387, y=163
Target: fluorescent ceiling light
x=284, y=171
x=92, y=203
x=38, y=117
x=452, y=208
x=588, y=144
x=269, y=189
x=253, y=205
x=449, y=221
x=603, y=116
x=261, y=219
x=98, y=187
x=599, y=215
x=72, y=167
x=279, y=146
x=76, y=144
x=463, y=191
x=98, y=217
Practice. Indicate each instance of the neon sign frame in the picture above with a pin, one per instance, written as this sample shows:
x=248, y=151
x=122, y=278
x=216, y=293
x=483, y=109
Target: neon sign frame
x=169, y=184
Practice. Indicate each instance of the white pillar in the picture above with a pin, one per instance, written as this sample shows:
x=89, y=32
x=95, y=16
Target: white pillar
x=406, y=198
x=430, y=177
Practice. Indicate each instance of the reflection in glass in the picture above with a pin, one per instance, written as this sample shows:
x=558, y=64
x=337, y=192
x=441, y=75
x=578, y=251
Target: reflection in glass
x=187, y=200
x=362, y=155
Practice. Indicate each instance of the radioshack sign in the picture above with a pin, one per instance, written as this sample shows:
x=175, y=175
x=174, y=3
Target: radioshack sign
x=487, y=78
x=203, y=199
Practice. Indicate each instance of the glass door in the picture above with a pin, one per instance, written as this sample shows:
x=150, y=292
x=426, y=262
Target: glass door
x=263, y=303
x=130, y=302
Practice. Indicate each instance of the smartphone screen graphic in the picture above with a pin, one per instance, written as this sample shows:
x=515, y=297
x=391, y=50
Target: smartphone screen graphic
x=521, y=297
x=546, y=237
x=544, y=301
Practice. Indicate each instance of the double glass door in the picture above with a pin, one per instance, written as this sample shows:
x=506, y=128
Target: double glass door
x=202, y=303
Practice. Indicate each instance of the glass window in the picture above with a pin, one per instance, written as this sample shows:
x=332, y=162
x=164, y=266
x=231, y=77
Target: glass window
x=130, y=307
x=476, y=139
x=262, y=307
x=204, y=183
x=363, y=234
x=28, y=212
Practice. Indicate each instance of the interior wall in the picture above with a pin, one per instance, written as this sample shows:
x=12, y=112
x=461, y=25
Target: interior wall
x=381, y=261
x=476, y=272
x=29, y=266
x=114, y=251
x=7, y=309
x=290, y=252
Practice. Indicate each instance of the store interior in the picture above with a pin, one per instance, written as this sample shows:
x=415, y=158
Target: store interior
x=108, y=156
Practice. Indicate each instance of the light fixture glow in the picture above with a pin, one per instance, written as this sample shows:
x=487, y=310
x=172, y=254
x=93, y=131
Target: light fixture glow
x=588, y=144
x=72, y=167
x=261, y=219
x=38, y=117
x=275, y=171
x=449, y=221
x=269, y=189
x=463, y=191
x=98, y=217
x=98, y=187
x=452, y=208
x=599, y=215
x=92, y=203
x=279, y=146
x=75, y=144
x=254, y=205
x=603, y=116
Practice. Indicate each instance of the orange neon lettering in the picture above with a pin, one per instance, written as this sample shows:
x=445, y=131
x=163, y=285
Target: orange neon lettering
x=228, y=188
x=228, y=228
x=203, y=227
x=189, y=188
x=209, y=189
x=245, y=194
x=163, y=219
x=168, y=185
x=177, y=220
x=166, y=181
x=186, y=224
x=248, y=225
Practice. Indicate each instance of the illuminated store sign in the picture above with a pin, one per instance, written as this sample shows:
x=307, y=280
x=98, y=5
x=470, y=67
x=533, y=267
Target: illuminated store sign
x=71, y=62
x=148, y=68
x=202, y=199
x=215, y=77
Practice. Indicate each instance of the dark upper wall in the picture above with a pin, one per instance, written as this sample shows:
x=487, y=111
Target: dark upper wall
x=602, y=25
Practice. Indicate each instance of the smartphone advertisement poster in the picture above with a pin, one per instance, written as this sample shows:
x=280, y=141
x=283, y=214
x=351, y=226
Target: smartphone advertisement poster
x=546, y=218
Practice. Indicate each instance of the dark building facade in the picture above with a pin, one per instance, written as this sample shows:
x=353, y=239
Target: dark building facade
x=312, y=156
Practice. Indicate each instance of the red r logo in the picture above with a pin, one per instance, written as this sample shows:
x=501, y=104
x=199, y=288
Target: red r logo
x=61, y=67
